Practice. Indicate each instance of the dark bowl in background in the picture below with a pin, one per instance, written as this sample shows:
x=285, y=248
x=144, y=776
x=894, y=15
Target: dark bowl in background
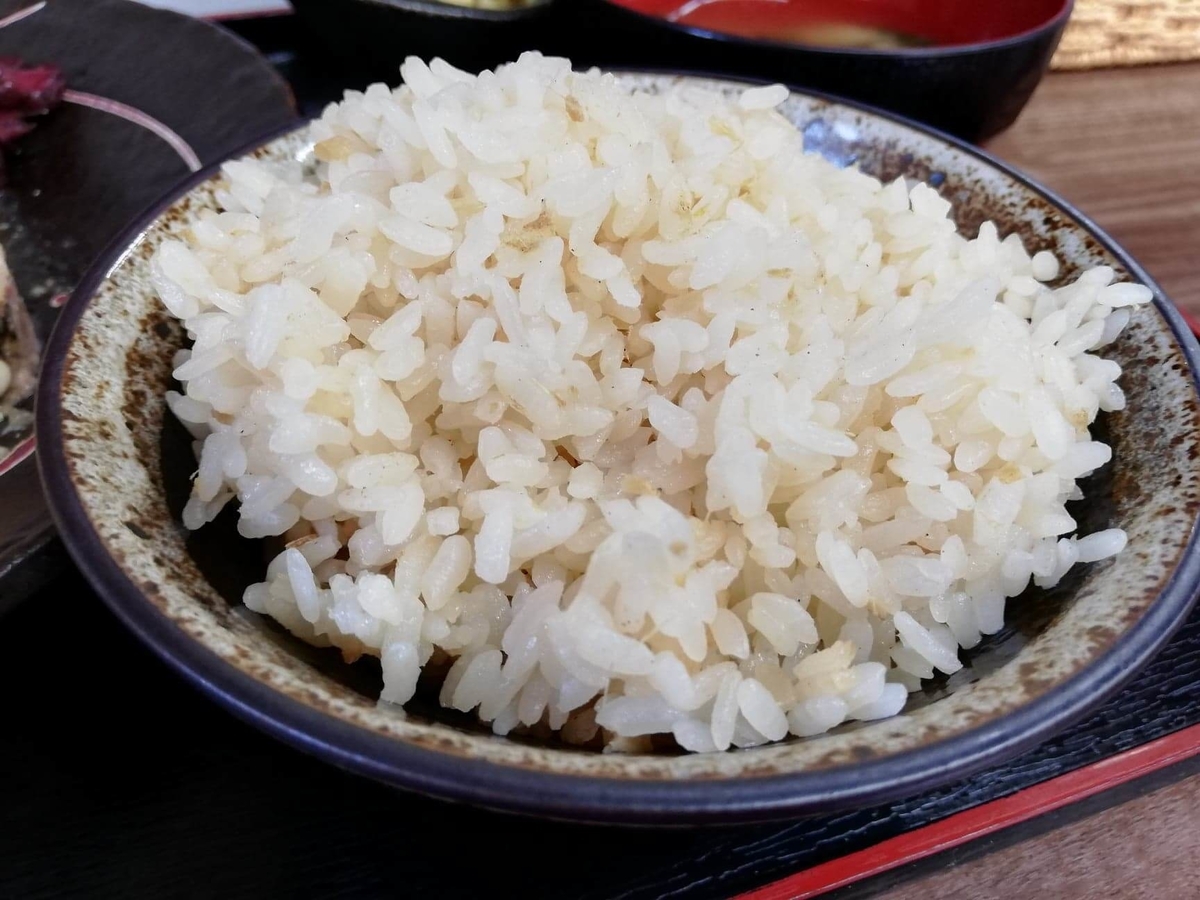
x=379, y=34
x=979, y=69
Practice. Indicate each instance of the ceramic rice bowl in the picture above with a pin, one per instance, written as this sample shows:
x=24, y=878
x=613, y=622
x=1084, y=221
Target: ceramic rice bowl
x=117, y=467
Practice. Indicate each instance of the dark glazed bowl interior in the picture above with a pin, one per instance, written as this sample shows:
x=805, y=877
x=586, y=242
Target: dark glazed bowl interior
x=116, y=469
x=979, y=68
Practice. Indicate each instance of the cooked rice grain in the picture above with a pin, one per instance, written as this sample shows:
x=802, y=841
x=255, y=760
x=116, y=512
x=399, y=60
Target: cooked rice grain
x=647, y=419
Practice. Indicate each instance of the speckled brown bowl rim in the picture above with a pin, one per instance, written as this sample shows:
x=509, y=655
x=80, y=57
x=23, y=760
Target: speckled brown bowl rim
x=597, y=798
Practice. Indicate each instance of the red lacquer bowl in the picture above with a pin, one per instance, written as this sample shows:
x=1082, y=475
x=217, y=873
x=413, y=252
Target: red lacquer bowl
x=966, y=66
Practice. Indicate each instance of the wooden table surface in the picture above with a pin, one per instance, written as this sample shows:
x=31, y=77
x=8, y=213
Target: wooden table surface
x=1145, y=848
x=1124, y=146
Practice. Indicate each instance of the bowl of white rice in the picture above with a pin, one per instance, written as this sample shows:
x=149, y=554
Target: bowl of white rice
x=629, y=447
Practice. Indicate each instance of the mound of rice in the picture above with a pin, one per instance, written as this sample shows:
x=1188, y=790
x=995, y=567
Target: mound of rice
x=647, y=421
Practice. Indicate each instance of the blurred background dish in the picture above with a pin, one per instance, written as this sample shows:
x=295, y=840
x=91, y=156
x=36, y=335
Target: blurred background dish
x=966, y=68
x=857, y=24
x=150, y=96
x=474, y=34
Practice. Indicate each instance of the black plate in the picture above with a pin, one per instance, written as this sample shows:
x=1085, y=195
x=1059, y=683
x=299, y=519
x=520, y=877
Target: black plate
x=381, y=33
x=153, y=96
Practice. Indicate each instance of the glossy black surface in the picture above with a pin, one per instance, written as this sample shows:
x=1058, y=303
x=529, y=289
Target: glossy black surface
x=121, y=781
x=383, y=32
x=83, y=174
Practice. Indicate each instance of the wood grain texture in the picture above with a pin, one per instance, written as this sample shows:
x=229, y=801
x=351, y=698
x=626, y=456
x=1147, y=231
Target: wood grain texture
x=1145, y=848
x=1123, y=146
x=1105, y=33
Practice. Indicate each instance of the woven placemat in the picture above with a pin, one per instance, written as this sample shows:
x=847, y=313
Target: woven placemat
x=1129, y=33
